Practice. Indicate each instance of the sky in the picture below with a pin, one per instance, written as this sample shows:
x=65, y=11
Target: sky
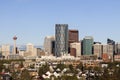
x=32, y=20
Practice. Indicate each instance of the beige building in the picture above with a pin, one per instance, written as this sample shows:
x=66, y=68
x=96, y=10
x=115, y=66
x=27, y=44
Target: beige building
x=98, y=50
x=77, y=46
x=5, y=49
x=48, y=42
x=30, y=51
x=110, y=52
x=107, y=52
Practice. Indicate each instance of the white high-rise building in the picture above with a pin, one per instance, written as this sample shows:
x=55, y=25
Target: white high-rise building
x=48, y=44
x=105, y=50
x=98, y=50
x=110, y=51
x=77, y=46
x=5, y=49
x=31, y=51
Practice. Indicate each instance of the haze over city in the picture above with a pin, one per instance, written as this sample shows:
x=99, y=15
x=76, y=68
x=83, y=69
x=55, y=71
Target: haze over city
x=32, y=20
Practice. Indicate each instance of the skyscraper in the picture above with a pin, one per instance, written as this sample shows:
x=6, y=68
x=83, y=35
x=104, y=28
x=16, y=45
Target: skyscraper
x=5, y=50
x=87, y=45
x=73, y=37
x=98, y=50
x=49, y=44
x=118, y=48
x=61, y=39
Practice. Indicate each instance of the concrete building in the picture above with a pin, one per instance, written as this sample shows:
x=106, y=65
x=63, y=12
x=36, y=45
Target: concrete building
x=61, y=39
x=49, y=45
x=73, y=37
x=110, y=51
x=77, y=46
x=87, y=45
x=30, y=50
x=5, y=50
x=107, y=52
x=117, y=47
x=97, y=50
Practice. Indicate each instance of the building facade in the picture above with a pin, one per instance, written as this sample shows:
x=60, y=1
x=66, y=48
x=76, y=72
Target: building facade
x=73, y=37
x=117, y=48
x=87, y=45
x=5, y=50
x=61, y=39
x=31, y=51
x=49, y=44
x=97, y=50
x=77, y=46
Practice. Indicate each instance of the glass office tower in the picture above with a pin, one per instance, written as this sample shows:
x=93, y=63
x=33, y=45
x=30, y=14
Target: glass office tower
x=61, y=39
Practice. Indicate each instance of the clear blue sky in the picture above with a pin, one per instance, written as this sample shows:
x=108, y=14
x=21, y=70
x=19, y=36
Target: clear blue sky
x=32, y=20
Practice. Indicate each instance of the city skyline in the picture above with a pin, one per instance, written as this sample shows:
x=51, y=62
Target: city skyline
x=31, y=21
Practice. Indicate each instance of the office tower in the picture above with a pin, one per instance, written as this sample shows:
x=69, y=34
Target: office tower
x=49, y=43
x=105, y=52
x=77, y=47
x=5, y=51
x=87, y=45
x=97, y=50
x=73, y=37
x=110, y=51
x=14, y=48
x=31, y=51
x=105, y=49
x=61, y=39
x=111, y=42
x=118, y=48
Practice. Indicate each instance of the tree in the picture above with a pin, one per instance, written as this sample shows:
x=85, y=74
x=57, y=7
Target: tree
x=71, y=67
x=25, y=75
x=80, y=66
x=43, y=69
x=61, y=66
x=14, y=75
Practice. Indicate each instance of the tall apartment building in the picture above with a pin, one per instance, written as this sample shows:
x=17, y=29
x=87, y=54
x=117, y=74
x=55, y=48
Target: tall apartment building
x=73, y=37
x=5, y=50
x=30, y=50
x=117, y=47
x=110, y=51
x=107, y=52
x=61, y=39
x=97, y=50
x=49, y=45
x=87, y=45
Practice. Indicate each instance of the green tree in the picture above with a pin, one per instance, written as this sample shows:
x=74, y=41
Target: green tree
x=61, y=66
x=43, y=69
x=71, y=67
x=25, y=75
x=14, y=75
